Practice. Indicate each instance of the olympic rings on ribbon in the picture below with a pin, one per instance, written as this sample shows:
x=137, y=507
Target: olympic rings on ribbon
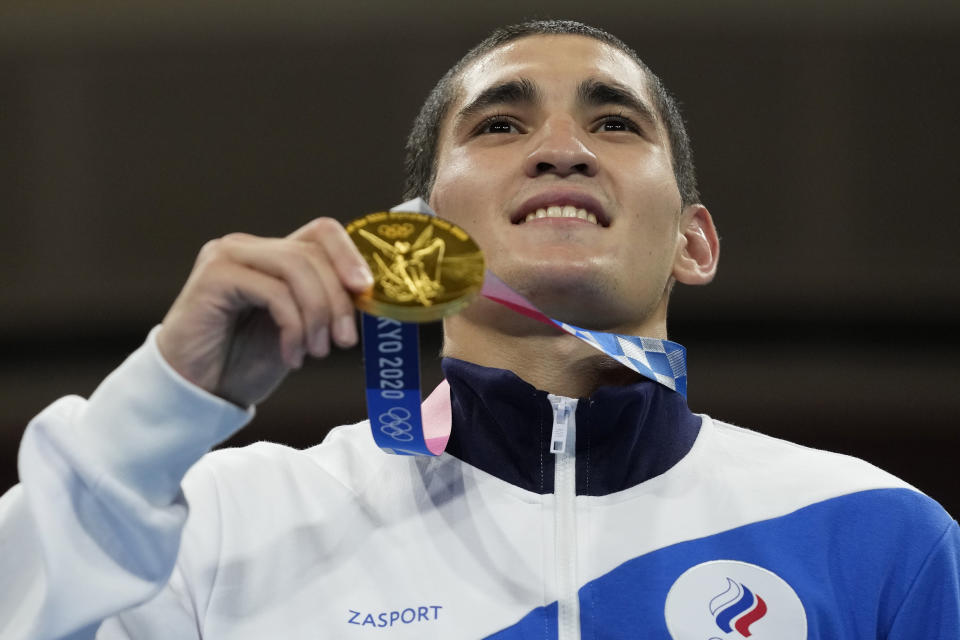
x=393, y=423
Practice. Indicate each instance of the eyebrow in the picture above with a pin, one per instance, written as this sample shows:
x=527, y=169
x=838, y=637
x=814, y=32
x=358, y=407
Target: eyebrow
x=597, y=93
x=514, y=92
x=591, y=92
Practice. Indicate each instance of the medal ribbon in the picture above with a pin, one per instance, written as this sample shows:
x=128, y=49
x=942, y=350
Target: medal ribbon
x=392, y=364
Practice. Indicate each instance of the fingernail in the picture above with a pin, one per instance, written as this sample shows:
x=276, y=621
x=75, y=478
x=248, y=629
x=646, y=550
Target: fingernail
x=321, y=342
x=345, y=330
x=298, y=358
x=362, y=277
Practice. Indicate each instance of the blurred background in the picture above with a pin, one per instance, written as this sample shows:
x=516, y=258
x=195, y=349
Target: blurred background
x=826, y=138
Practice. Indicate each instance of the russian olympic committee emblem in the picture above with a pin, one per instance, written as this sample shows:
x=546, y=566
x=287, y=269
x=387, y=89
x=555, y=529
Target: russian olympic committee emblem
x=726, y=599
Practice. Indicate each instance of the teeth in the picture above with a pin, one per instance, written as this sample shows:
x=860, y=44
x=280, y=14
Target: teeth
x=566, y=211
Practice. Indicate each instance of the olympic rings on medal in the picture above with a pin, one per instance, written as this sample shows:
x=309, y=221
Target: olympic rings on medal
x=396, y=231
x=394, y=423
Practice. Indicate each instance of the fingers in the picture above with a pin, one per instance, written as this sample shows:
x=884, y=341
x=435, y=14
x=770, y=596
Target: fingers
x=350, y=266
x=253, y=307
x=351, y=271
x=342, y=319
x=299, y=271
x=318, y=267
x=254, y=288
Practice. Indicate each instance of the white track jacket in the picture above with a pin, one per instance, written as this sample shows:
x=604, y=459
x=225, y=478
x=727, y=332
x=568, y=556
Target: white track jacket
x=652, y=523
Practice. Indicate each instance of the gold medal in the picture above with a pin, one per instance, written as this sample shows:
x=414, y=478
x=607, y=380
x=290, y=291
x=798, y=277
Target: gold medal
x=423, y=267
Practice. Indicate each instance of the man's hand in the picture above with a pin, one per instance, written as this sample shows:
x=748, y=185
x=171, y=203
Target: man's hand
x=253, y=307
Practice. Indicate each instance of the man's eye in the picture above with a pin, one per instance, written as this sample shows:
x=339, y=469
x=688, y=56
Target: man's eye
x=618, y=123
x=497, y=125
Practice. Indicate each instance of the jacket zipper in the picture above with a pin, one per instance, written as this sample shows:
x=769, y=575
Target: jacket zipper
x=563, y=444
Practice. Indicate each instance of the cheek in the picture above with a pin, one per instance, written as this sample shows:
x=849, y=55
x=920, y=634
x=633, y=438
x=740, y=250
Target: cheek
x=451, y=185
x=645, y=179
x=460, y=191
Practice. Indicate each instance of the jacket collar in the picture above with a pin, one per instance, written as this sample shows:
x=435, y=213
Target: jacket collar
x=625, y=435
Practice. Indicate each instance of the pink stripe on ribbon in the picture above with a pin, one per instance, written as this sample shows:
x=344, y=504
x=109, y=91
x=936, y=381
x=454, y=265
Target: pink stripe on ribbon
x=499, y=291
x=437, y=418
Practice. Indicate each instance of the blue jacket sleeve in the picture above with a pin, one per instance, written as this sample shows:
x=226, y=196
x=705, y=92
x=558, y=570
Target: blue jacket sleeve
x=931, y=609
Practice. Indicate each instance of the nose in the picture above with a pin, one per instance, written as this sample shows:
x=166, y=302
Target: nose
x=560, y=150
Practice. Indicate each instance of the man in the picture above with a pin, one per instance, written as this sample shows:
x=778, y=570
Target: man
x=650, y=522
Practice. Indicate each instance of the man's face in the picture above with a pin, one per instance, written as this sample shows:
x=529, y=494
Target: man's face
x=564, y=121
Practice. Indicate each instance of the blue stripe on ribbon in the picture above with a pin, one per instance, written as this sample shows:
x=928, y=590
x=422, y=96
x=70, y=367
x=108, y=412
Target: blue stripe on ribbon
x=391, y=356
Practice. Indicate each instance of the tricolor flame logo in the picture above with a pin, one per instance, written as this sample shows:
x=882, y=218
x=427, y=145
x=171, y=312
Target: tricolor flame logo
x=736, y=601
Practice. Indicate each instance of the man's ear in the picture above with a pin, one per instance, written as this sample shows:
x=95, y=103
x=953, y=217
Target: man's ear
x=699, y=247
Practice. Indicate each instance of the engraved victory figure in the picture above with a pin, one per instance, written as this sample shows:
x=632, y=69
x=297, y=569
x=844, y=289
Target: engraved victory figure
x=409, y=275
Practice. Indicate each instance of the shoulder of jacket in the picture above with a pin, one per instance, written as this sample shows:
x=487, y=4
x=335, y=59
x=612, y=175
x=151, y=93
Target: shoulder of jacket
x=347, y=456
x=786, y=475
x=781, y=457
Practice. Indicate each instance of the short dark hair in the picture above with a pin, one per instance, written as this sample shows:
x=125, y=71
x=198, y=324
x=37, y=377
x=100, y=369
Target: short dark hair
x=420, y=164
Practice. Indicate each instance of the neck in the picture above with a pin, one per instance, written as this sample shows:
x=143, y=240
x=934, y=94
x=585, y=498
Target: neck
x=493, y=336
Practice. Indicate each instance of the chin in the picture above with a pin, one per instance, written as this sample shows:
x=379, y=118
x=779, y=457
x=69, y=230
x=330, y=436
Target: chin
x=588, y=292
x=584, y=300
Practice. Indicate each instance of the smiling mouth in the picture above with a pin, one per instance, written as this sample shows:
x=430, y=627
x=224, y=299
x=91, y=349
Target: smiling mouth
x=567, y=211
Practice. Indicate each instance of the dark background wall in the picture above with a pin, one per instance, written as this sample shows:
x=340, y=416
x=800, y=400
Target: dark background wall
x=826, y=140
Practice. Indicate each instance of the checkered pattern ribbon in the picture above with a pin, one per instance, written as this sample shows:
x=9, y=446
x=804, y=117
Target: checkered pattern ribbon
x=660, y=360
